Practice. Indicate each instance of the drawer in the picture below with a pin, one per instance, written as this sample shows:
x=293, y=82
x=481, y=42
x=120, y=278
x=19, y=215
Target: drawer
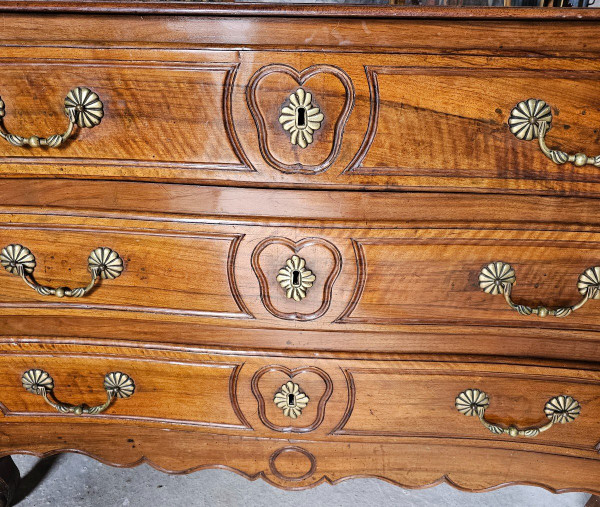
x=326, y=405
x=388, y=285
x=379, y=121
x=403, y=399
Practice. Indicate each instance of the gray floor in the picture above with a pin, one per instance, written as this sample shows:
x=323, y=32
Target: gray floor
x=72, y=480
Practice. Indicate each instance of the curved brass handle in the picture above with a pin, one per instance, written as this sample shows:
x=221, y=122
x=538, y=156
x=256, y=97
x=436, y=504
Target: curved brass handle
x=531, y=119
x=499, y=277
x=83, y=108
x=560, y=409
x=116, y=385
x=102, y=262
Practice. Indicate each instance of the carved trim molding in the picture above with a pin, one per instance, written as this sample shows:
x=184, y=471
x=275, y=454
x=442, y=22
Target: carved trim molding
x=361, y=281
x=338, y=430
x=230, y=72
x=395, y=477
x=295, y=247
x=350, y=372
x=301, y=78
x=362, y=265
x=291, y=373
x=356, y=167
x=234, y=244
x=110, y=416
x=229, y=86
x=233, y=397
x=292, y=449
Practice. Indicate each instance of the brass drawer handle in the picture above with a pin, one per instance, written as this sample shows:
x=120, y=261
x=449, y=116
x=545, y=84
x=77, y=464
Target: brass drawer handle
x=116, y=385
x=560, y=409
x=499, y=277
x=531, y=119
x=83, y=108
x=102, y=262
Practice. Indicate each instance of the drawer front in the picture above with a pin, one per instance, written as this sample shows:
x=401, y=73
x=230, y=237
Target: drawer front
x=191, y=392
x=405, y=401
x=391, y=288
x=357, y=404
x=167, y=272
x=375, y=120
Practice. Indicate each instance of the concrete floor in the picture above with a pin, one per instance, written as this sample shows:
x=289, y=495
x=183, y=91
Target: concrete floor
x=71, y=480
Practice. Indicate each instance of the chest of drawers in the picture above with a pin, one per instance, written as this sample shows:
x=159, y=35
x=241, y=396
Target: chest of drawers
x=303, y=243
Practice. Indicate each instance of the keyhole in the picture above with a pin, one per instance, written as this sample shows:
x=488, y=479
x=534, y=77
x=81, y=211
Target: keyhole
x=291, y=400
x=296, y=278
x=301, y=115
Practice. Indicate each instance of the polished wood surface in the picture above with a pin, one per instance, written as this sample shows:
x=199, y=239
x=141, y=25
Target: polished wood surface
x=211, y=117
x=354, y=404
x=594, y=501
x=235, y=9
x=222, y=273
x=412, y=184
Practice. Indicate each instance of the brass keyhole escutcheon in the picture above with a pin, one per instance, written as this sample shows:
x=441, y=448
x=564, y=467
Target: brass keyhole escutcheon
x=291, y=399
x=301, y=117
x=295, y=278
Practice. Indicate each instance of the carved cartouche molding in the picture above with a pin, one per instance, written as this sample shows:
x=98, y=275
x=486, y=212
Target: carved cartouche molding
x=296, y=452
x=291, y=373
x=301, y=78
x=296, y=248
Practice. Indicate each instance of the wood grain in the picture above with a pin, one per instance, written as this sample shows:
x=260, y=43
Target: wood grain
x=166, y=296
x=214, y=120
x=162, y=115
x=594, y=501
x=322, y=88
x=274, y=377
x=412, y=185
x=399, y=406
x=159, y=276
x=315, y=251
x=205, y=273
x=340, y=10
x=252, y=458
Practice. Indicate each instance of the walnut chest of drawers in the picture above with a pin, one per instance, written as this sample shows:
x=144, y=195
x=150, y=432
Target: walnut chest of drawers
x=303, y=243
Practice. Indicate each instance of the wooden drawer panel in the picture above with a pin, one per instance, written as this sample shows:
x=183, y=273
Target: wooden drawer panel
x=156, y=116
x=165, y=277
x=403, y=401
x=405, y=276
x=389, y=121
x=192, y=392
x=387, y=289
x=426, y=128
x=355, y=402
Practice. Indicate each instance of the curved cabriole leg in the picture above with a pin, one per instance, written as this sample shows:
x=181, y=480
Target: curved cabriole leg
x=9, y=480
